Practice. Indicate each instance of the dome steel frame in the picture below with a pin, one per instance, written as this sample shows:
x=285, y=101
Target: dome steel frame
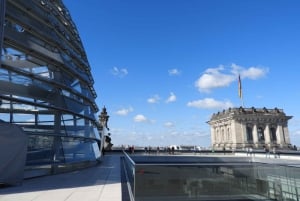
x=46, y=85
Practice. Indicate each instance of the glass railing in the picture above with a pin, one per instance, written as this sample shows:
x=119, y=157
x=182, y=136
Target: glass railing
x=212, y=178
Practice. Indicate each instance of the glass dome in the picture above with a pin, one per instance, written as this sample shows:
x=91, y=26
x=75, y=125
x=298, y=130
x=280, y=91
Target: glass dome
x=46, y=85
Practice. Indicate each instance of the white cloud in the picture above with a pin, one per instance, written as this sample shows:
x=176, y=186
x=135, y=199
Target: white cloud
x=221, y=77
x=174, y=71
x=172, y=98
x=213, y=78
x=154, y=99
x=122, y=72
x=210, y=103
x=124, y=111
x=140, y=118
x=252, y=72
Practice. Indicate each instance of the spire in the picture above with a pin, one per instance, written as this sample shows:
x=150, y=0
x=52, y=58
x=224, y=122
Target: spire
x=103, y=118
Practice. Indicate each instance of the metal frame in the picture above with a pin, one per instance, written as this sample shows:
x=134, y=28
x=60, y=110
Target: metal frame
x=46, y=85
x=2, y=20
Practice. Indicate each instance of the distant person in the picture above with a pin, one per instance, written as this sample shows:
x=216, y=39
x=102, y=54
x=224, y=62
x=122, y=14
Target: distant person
x=274, y=152
x=251, y=151
x=267, y=151
x=247, y=150
x=233, y=149
x=173, y=150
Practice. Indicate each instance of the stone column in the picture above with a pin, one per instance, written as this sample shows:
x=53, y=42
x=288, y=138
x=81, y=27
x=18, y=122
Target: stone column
x=279, y=135
x=244, y=140
x=254, y=134
x=286, y=134
x=233, y=133
x=224, y=136
x=267, y=135
x=213, y=134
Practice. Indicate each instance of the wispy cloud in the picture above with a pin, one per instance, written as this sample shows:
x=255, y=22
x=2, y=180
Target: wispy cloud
x=171, y=98
x=295, y=133
x=173, y=72
x=153, y=99
x=124, y=111
x=222, y=76
x=122, y=72
x=140, y=118
x=252, y=72
x=210, y=103
x=169, y=124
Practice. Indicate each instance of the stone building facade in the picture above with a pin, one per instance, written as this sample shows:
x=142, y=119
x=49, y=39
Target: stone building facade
x=238, y=128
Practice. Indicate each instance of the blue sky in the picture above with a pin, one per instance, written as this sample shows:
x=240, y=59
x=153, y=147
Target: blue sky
x=163, y=67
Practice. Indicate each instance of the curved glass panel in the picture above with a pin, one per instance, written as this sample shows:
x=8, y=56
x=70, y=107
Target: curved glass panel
x=46, y=85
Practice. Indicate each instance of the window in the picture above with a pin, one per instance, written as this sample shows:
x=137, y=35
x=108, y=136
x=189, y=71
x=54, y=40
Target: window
x=249, y=133
x=260, y=133
x=273, y=134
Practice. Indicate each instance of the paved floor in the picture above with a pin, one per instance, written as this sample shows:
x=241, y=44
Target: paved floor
x=100, y=183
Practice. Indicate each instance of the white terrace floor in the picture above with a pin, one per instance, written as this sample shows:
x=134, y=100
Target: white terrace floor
x=99, y=183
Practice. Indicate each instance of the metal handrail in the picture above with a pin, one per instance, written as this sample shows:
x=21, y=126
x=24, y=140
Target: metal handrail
x=131, y=193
